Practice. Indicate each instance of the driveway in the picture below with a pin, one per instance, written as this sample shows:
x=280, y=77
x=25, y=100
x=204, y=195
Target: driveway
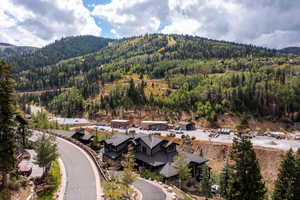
x=149, y=191
x=81, y=176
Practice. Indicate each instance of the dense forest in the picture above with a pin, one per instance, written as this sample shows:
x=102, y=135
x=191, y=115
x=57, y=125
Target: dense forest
x=193, y=75
x=59, y=50
x=8, y=50
x=291, y=50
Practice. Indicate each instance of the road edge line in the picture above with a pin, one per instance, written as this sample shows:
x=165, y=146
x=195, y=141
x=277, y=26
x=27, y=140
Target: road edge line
x=62, y=188
x=99, y=191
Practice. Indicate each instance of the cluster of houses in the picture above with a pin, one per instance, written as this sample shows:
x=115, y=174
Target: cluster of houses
x=152, y=153
x=152, y=125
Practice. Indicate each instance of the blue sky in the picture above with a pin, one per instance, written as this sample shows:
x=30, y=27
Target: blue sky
x=269, y=23
x=106, y=27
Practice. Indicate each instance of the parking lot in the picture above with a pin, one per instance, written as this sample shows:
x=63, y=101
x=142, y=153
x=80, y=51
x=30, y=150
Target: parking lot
x=202, y=134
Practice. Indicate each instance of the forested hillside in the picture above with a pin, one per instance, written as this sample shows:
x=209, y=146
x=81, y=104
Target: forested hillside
x=291, y=50
x=59, y=50
x=173, y=74
x=8, y=50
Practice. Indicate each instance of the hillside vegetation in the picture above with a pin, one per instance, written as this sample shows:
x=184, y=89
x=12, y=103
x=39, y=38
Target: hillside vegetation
x=205, y=77
x=8, y=50
x=291, y=50
x=59, y=50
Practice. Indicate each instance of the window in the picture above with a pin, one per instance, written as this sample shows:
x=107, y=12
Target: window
x=144, y=149
x=171, y=148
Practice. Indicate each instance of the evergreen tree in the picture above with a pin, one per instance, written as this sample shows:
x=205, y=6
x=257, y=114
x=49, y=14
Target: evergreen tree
x=224, y=180
x=246, y=181
x=297, y=178
x=205, y=184
x=7, y=133
x=284, y=185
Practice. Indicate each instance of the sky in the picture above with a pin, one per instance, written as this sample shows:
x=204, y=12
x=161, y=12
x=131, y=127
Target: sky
x=268, y=23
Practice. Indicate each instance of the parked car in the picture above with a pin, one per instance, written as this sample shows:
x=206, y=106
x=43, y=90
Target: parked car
x=215, y=189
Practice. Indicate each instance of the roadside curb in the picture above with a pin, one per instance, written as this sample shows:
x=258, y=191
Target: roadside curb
x=62, y=188
x=93, y=165
x=138, y=192
x=31, y=196
x=161, y=186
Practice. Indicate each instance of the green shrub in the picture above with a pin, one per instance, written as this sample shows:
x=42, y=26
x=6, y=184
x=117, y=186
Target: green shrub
x=152, y=175
x=5, y=194
x=23, y=181
x=14, y=185
x=54, y=180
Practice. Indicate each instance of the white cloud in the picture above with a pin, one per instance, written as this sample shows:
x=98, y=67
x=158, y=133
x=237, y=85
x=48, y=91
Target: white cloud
x=134, y=17
x=37, y=22
x=259, y=22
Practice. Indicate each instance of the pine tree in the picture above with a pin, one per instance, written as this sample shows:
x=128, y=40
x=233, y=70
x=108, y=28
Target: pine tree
x=246, y=181
x=205, y=184
x=7, y=133
x=284, y=185
x=297, y=178
x=224, y=180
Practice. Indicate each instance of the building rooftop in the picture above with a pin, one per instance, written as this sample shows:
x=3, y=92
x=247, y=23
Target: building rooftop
x=167, y=170
x=120, y=120
x=154, y=122
x=194, y=158
x=151, y=140
x=117, y=139
x=87, y=136
x=158, y=159
x=185, y=123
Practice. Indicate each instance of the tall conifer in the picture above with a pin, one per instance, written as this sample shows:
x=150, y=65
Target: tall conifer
x=7, y=133
x=246, y=181
x=284, y=185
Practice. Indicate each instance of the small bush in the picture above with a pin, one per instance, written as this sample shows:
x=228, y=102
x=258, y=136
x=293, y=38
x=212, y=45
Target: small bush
x=23, y=181
x=152, y=175
x=14, y=185
x=5, y=194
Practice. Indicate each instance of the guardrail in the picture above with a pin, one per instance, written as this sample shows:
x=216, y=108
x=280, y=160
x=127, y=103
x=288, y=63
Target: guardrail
x=104, y=173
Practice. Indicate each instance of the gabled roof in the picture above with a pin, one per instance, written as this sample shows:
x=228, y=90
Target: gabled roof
x=87, y=136
x=168, y=144
x=195, y=158
x=167, y=170
x=158, y=159
x=117, y=139
x=83, y=134
x=151, y=141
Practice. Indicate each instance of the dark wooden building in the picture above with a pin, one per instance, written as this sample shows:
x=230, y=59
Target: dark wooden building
x=151, y=153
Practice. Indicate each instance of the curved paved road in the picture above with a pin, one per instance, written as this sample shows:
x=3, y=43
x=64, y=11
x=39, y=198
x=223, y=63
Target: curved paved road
x=81, y=178
x=149, y=191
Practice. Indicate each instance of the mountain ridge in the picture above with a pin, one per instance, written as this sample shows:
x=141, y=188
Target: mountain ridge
x=291, y=50
x=9, y=50
x=64, y=48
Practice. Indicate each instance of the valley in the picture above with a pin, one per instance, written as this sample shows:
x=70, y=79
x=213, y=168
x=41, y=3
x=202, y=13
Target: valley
x=184, y=77
x=223, y=88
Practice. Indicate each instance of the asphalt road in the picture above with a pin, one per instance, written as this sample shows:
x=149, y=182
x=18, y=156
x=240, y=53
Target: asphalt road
x=149, y=191
x=81, y=181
